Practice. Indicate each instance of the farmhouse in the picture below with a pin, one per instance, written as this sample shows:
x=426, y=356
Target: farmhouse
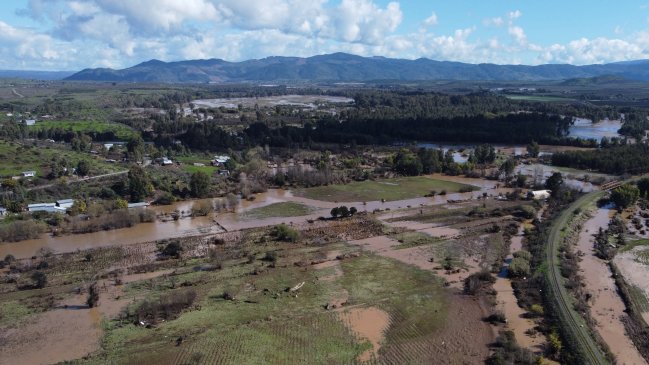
x=138, y=205
x=220, y=160
x=44, y=207
x=65, y=203
x=539, y=194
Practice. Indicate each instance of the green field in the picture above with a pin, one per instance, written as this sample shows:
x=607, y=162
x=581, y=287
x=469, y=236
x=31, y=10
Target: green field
x=266, y=325
x=392, y=189
x=16, y=159
x=284, y=209
x=121, y=131
x=539, y=98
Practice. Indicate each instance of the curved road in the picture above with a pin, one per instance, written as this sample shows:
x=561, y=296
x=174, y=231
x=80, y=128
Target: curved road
x=574, y=323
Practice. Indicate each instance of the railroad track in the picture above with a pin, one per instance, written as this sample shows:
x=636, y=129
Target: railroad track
x=574, y=323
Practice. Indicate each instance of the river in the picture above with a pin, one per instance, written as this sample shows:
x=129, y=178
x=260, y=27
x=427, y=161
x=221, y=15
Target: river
x=184, y=227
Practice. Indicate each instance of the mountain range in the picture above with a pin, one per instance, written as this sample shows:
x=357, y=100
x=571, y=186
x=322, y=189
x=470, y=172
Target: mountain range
x=342, y=67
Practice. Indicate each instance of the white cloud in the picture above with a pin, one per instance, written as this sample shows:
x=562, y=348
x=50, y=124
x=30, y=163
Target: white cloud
x=431, y=20
x=513, y=15
x=518, y=34
x=496, y=22
x=118, y=33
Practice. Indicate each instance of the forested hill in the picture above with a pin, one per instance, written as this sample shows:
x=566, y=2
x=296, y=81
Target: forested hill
x=342, y=67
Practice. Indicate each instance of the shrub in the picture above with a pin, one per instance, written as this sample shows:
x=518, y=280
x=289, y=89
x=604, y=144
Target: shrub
x=524, y=254
x=172, y=249
x=166, y=307
x=270, y=256
x=93, y=295
x=537, y=309
x=283, y=232
x=39, y=279
x=519, y=267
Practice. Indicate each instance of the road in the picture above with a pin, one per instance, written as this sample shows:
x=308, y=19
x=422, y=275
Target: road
x=81, y=180
x=17, y=93
x=573, y=322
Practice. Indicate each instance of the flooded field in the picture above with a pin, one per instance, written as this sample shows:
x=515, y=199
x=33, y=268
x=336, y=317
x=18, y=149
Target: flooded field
x=232, y=221
x=305, y=101
x=606, y=306
x=586, y=129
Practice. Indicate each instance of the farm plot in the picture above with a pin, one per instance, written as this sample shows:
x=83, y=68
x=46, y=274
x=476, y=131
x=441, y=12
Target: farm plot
x=389, y=190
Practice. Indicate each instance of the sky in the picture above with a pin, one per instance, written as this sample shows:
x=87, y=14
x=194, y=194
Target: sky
x=76, y=34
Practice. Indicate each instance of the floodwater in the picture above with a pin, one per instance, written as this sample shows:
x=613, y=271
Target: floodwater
x=216, y=222
x=606, y=306
x=368, y=324
x=306, y=101
x=570, y=179
x=634, y=272
x=507, y=302
x=586, y=129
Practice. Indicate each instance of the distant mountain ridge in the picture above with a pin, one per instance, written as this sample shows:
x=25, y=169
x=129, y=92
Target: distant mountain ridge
x=342, y=67
x=36, y=75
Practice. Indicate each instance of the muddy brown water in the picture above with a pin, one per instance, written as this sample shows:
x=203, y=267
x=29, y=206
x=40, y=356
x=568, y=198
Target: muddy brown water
x=368, y=324
x=606, y=306
x=184, y=227
x=507, y=302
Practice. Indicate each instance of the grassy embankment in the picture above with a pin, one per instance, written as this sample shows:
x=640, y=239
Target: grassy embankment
x=573, y=326
x=390, y=190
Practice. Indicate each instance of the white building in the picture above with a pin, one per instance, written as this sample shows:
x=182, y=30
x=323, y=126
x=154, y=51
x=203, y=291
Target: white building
x=3, y=211
x=30, y=122
x=220, y=160
x=29, y=173
x=166, y=161
x=65, y=203
x=138, y=205
x=44, y=207
x=540, y=194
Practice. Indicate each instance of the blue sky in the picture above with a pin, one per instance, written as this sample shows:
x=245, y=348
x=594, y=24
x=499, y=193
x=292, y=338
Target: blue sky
x=75, y=34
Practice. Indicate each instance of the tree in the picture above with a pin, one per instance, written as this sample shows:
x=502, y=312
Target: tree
x=352, y=211
x=335, y=212
x=519, y=267
x=121, y=203
x=485, y=154
x=533, y=149
x=625, y=195
x=135, y=148
x=554, y=182
x=83, y=168
x=40, y=279
x=139, y=185
x=643, y=186
x=344, y=211
x=507, y=168
x=199, y=184
x=407, y=163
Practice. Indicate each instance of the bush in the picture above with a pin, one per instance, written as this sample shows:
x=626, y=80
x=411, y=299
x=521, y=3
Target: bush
x=284, y=233
x=537, y=310
x=519, y=267
x=93, y=295
x=167, y=307
x=526, y=255
x=173, y=249
x=496, y=317
x=40, y=279
x=271, y=256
